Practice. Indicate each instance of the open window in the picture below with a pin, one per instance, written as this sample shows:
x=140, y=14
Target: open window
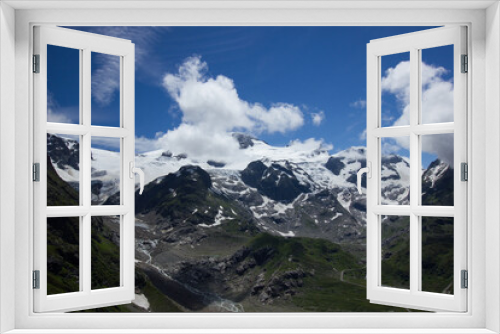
x=429, y=226
x=75, y=266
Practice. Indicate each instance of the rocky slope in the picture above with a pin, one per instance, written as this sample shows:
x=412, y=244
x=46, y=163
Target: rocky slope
x=276, y=230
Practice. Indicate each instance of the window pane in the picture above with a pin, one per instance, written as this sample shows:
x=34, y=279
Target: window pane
x=437, y=169
x=395, y=251
x=105, y=89
x=63, y=255
x=437, y=85
x=395, y=171
x=395, y=89
x=437, y=254
x=63, y=170
x=63, y=85
x=106, y=171
x=105, y=252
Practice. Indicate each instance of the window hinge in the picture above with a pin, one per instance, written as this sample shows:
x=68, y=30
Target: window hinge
x=464, y=171
x=36, y=279
x=465, y=64
x=36, y=172
x=36, y=63
x=465, y=279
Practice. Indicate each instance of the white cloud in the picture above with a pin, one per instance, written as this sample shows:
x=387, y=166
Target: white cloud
x=440, y=145
x=143, y=144
x=211, y=109
x=362, y=135
x=200, y=144
x=309, y=145
x=144, y=39
x=106, y=78
x=107, y=143
x=358, y=104
x=317, y=118
x=437, y=103
x=58, y=114
x=56, y=117
x=213, y=103
x=390, y=147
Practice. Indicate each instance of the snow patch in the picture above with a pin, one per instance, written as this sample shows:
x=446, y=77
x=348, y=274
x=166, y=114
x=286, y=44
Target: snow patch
x=141, y=301
x=288, y=234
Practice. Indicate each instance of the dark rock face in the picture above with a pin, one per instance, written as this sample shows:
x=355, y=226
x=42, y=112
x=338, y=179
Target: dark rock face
x=177, y=193
x=216, y=164
x=281, y=286
x=354, y=179
x=253, y=173
x=60, y=154
x=244, y=140
x=389, y=163
x=335, y=165
x=437, y=184
x=275, y=181
x=391, y=159
x=263, y=254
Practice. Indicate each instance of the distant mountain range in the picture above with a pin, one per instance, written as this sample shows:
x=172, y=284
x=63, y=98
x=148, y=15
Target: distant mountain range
x=266, y=232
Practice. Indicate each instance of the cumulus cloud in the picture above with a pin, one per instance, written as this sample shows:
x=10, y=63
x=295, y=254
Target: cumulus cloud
x=211, y=109
x=214, y=103
x=317, y=118
x=437, y=104
x=200, y=144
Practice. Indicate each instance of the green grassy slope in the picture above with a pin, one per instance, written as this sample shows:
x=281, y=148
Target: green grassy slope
x=63, y=254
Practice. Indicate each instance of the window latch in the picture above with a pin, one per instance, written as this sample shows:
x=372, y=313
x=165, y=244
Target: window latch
x=134, y=170
x=368, y=171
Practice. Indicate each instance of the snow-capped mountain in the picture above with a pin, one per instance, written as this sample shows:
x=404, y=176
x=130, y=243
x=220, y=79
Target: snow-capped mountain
x=216, y=229
x=291, y=191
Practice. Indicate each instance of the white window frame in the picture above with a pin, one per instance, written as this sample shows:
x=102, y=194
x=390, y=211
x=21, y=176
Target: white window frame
x=414, y=43
x=483, y=20
x=85, y=43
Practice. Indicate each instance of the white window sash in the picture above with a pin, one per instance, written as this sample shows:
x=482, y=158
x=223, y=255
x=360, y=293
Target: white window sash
x=86, y=298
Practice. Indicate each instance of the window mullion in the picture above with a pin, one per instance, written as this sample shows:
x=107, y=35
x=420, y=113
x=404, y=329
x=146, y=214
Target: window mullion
x=85, y=171
x=414, y=171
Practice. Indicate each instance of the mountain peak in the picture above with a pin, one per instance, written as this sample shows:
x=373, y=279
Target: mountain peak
x=245, y=140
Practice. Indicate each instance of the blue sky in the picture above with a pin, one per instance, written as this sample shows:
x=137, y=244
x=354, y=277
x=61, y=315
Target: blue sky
x=319, y=72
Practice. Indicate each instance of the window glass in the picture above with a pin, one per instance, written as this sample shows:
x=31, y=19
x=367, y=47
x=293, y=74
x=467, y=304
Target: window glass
x=395, y=251
x=63, y=85
x=395, y=171
x=106, y=171
x=437, y=85
x=437, y=169
x=105, y=89
x=63, y=170
x=63, y=255
x=437, y=254
x=395, y=89
x=105, y=247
